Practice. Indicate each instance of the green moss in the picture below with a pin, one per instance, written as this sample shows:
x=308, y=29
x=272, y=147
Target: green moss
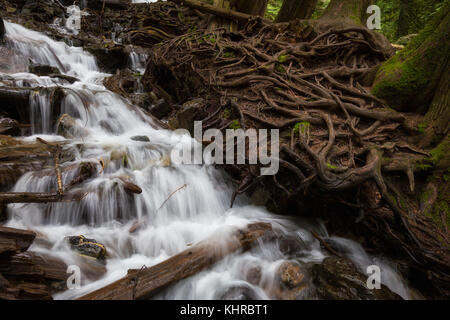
x=421, y=127
x=280, y=68
x=330, y=166
x=234, y=124
x=440, y=154
x=229, y=54
x=302, y=127
x=227, y=113
x=283, y=58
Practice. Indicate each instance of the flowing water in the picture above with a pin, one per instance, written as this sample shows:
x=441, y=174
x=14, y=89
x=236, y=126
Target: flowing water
x=199, y=210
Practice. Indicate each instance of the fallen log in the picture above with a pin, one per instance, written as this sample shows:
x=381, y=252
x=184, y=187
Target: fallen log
x=220, y=12
x=30, y=265
x=145, y=283
x=40, y=197
x=15, y=240
x=30, y=275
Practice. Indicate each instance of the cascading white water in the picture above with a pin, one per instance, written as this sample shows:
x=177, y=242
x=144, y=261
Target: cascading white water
x=107, y=212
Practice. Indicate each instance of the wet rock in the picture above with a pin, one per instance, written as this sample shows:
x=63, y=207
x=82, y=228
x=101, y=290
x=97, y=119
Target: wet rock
x=109, y=58
x=191, y=111
x=69, y=128
x=260, y=197
x=290, y=246
x=140, y=138
x=338, y=279
x=3, y=213
x=254, y=275
x=161, y=109
x=43, y=70
x=239, y=293
x=9, y=126
x=2, y=29
x=64, y=77
x=290, y=275
x=86, y=247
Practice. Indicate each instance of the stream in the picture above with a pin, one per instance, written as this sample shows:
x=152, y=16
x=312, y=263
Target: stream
x=199, y=210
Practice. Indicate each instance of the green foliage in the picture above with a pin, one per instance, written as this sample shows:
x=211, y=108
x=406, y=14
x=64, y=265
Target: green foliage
x=273, y=7
x=234, y=124
x=421, y=12
x=320, y=9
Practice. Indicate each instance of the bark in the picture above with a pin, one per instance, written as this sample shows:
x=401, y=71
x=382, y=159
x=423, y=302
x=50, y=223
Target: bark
x=354, y=10
x=15, y=240
x=405, y=18
x=296, y=9
x=410, y=79
x=144, y=283
x=255, y=7
x=30, y=275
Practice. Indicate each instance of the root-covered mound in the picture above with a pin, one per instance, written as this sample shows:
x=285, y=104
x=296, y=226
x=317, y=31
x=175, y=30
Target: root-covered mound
x=335, y=136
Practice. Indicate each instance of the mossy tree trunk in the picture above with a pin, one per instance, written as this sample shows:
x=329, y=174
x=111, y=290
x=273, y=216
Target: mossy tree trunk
x=354, y=10
x=296, y=9
x=405, y=17
x=410, y=79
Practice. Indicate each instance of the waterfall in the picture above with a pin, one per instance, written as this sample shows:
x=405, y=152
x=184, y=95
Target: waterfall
x=107, y=212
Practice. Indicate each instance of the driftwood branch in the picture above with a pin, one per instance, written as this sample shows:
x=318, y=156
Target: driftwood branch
x=144, y=283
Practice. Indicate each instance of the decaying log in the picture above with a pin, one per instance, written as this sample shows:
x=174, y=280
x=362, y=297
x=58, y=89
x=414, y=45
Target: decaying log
x=144, y=283
x=30, y=275
x=220, y=12
x=30, y=265
x=15, y=240
x=40, y=197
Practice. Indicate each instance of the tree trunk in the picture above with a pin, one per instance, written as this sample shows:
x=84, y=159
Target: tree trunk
x=254, y=7
x=296, y=9
x=354, y=10
x=405, y=18
x=144, y=283
x=409, y=80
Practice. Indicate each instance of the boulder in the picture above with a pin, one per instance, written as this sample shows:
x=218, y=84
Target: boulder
x=190, y=111
x=109, y=58
x=160, y=109
x=43, y=70
x=239, y=293
x=339, y=279
x=86, y=247
x=140, y=138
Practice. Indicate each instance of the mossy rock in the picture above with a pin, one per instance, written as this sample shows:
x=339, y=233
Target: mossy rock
x=338, y=279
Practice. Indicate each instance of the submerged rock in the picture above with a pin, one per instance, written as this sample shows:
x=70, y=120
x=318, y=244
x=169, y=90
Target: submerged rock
x=86, y=247
x=43, y=70
x=140, y=138
x=338, y=279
